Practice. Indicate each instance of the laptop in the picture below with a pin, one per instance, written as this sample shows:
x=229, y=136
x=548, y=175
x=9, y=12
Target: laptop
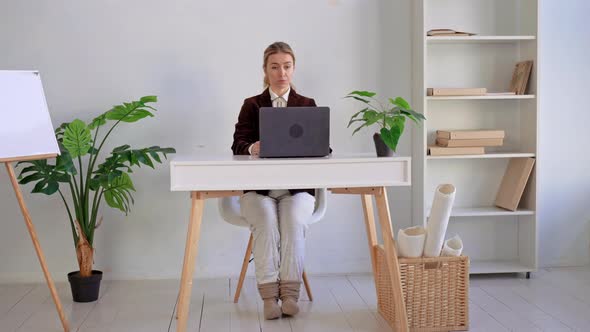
x=294, y=131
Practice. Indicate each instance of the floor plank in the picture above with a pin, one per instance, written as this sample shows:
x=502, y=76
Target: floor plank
x=323, y=313
x=244, y=314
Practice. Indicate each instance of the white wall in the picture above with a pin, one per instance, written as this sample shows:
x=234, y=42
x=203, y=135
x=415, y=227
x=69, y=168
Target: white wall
x=564, y=179
x=202, y=59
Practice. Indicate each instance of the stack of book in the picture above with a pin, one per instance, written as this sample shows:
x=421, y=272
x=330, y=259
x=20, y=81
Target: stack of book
x=464, y=142
x=445, y=92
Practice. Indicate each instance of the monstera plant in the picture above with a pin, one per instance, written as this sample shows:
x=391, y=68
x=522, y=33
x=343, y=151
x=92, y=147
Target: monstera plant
x=83, y=183
x=390, y=117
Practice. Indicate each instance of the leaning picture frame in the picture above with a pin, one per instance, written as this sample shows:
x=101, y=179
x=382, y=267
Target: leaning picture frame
x=520, y=77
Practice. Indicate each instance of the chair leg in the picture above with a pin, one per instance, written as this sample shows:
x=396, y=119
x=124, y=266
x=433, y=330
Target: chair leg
x=307, y=287
x=244, y=269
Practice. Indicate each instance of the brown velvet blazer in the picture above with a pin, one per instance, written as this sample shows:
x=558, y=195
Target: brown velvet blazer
x=247, y=131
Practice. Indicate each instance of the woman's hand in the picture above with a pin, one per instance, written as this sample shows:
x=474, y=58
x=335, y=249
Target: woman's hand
x=255, y=148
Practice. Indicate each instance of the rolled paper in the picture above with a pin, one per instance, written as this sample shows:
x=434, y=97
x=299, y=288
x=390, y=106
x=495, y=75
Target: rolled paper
x=410, y=241
x=439, y=219
x=452, y=246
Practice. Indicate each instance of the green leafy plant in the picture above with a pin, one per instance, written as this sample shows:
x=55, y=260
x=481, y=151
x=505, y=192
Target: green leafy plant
x=391, y=117
x=90, y=183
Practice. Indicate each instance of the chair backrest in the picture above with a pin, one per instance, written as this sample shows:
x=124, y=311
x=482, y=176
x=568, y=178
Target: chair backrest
x=229, y=208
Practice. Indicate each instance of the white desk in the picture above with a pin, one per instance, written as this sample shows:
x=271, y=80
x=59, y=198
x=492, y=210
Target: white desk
x=227, y=175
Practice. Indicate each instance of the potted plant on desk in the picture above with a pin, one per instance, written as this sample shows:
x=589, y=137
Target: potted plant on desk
x=391, y=117
x=90, y=183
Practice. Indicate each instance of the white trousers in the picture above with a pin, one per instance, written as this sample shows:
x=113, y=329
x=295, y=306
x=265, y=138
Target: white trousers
x=278, y=223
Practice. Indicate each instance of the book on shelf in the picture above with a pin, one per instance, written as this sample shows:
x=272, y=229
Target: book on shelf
x=500, y=93
x=456, y=143
x=447, y=32
x=520, y=77
x=443, y=151
x=513, y=183
x=469, y=134
x=456, y=91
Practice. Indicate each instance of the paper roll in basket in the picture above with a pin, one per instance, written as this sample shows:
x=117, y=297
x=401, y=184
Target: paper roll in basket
x=439, y=219
x=452, y=246
x=410, y=241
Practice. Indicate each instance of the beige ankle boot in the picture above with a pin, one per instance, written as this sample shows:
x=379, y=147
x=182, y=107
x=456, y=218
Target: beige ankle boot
x=289, y=294
x=270, y=295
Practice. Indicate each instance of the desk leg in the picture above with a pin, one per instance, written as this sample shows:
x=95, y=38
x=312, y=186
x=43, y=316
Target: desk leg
x=190, y=256
x=391, y=259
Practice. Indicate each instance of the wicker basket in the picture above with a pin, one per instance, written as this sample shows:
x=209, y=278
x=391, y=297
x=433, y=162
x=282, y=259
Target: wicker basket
x=435, y=291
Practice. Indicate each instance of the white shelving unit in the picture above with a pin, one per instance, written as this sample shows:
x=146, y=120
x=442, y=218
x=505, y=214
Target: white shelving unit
x=497, y=240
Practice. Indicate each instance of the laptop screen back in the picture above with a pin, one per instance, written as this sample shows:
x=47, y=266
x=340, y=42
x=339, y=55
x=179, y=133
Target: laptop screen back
x=294, y=131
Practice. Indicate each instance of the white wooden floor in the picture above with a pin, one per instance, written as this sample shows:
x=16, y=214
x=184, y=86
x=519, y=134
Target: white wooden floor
x=552, y=300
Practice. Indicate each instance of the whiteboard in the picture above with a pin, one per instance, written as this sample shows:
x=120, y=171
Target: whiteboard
x=26, y=131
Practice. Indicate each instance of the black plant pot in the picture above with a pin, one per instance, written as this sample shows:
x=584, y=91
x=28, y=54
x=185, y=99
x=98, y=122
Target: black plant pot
x=382, y=149
x=85, y=289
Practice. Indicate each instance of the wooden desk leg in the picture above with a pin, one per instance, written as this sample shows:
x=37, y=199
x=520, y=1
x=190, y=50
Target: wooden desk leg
x=40, y=255
x=391, y=259
x=367, y=201
x=190, y=257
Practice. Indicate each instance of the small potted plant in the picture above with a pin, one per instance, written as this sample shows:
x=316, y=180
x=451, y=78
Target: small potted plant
x=89, y=183
x=391, y=117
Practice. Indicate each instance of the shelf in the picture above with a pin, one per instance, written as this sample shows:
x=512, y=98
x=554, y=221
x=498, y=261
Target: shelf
x=490, y=155
x=488, y=211
x=498, y=240
x=477, y=39
x=485, y=267
x=480, y=97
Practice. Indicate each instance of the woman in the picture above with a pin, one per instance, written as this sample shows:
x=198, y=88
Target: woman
x=277, y=218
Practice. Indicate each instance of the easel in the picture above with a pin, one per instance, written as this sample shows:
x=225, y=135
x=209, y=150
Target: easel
x=29, y=135
x=33, y=233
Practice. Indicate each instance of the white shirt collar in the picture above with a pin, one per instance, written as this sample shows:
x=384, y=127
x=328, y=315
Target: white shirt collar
x=274, y=96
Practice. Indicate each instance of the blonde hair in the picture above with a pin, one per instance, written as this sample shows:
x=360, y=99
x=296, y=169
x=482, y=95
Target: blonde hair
x=274, y=48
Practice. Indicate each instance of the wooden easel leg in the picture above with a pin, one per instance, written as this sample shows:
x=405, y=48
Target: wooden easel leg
x=190, y=257
x=367, y=201
x=391, y=259
x=244, y=268
x=33, y=233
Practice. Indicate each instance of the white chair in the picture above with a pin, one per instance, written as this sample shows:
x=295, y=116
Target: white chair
x=229, y=208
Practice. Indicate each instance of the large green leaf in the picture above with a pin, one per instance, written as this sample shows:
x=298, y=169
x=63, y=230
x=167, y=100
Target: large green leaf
x=371, y=117
x=414, y=116
x=363, y=93
x=117, y=192
x=77, y=139
x=133, y=111
x=359, y=99
x=64, y=163
x=47, y=177
x=128, y=113
x=400, y=102
x=59, y=131
x=98, y=121
x=390, y=136
x=123, y=158
x=148, y=99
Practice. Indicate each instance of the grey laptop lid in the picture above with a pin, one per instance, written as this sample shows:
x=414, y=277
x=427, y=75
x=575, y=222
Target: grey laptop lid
x=294, y=131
